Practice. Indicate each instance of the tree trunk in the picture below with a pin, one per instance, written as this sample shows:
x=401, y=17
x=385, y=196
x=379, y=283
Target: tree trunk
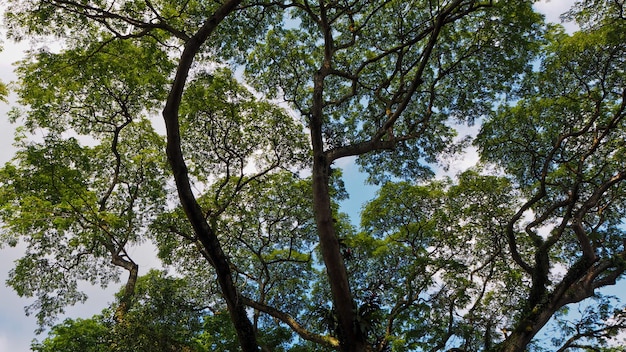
x=525, y=332
x=129, y=288
x=576, y=286
x=351, y=339
x=193, y=211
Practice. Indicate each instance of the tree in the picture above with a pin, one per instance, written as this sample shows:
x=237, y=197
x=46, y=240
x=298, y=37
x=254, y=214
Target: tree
x=383, y=81
x=569, y=169
x=79, y=207
x=371, y=78
x=164, y=316
x=446, y=273
x=3, y=89
x=167, y=314
x=75, y=335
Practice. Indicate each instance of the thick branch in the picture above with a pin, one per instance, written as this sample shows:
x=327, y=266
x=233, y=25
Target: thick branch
x=326, y=341
x=129, y=288
x=578, y=284
x=329, y=243
x=193, y=211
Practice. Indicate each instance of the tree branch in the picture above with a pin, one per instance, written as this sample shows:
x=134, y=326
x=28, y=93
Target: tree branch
x=326, y=341
x=193, y=211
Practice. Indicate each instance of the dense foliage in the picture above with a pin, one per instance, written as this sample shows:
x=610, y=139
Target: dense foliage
x=243, y=209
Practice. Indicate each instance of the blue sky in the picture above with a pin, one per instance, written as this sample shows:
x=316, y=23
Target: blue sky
x=16, y=330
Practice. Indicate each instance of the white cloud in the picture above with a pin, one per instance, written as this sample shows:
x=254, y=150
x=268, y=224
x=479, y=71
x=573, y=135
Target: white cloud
x=553, y=11
x=4, y=344
x=16, y=330
x=13, y=344
x=6, y=129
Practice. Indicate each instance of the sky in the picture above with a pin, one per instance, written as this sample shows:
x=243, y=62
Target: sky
x=17, y=330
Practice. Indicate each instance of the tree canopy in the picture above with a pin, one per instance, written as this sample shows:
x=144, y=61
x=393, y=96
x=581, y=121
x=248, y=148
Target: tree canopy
x=237, y=183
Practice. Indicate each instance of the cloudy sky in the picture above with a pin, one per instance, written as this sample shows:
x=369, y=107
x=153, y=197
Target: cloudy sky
x=16, y=330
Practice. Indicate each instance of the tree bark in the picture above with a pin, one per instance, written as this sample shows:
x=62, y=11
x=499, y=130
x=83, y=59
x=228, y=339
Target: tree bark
x=579, y=283
x=193, y=211
x=526, y=331
x=129, y=288
x=351, y=339
x=325, y=341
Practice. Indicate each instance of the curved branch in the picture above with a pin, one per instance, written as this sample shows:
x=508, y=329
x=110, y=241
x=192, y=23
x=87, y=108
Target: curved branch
x=327, y=341
x=193, y=211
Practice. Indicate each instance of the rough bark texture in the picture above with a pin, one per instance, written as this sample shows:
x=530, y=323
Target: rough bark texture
x=335, y=267
x=350, y=338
